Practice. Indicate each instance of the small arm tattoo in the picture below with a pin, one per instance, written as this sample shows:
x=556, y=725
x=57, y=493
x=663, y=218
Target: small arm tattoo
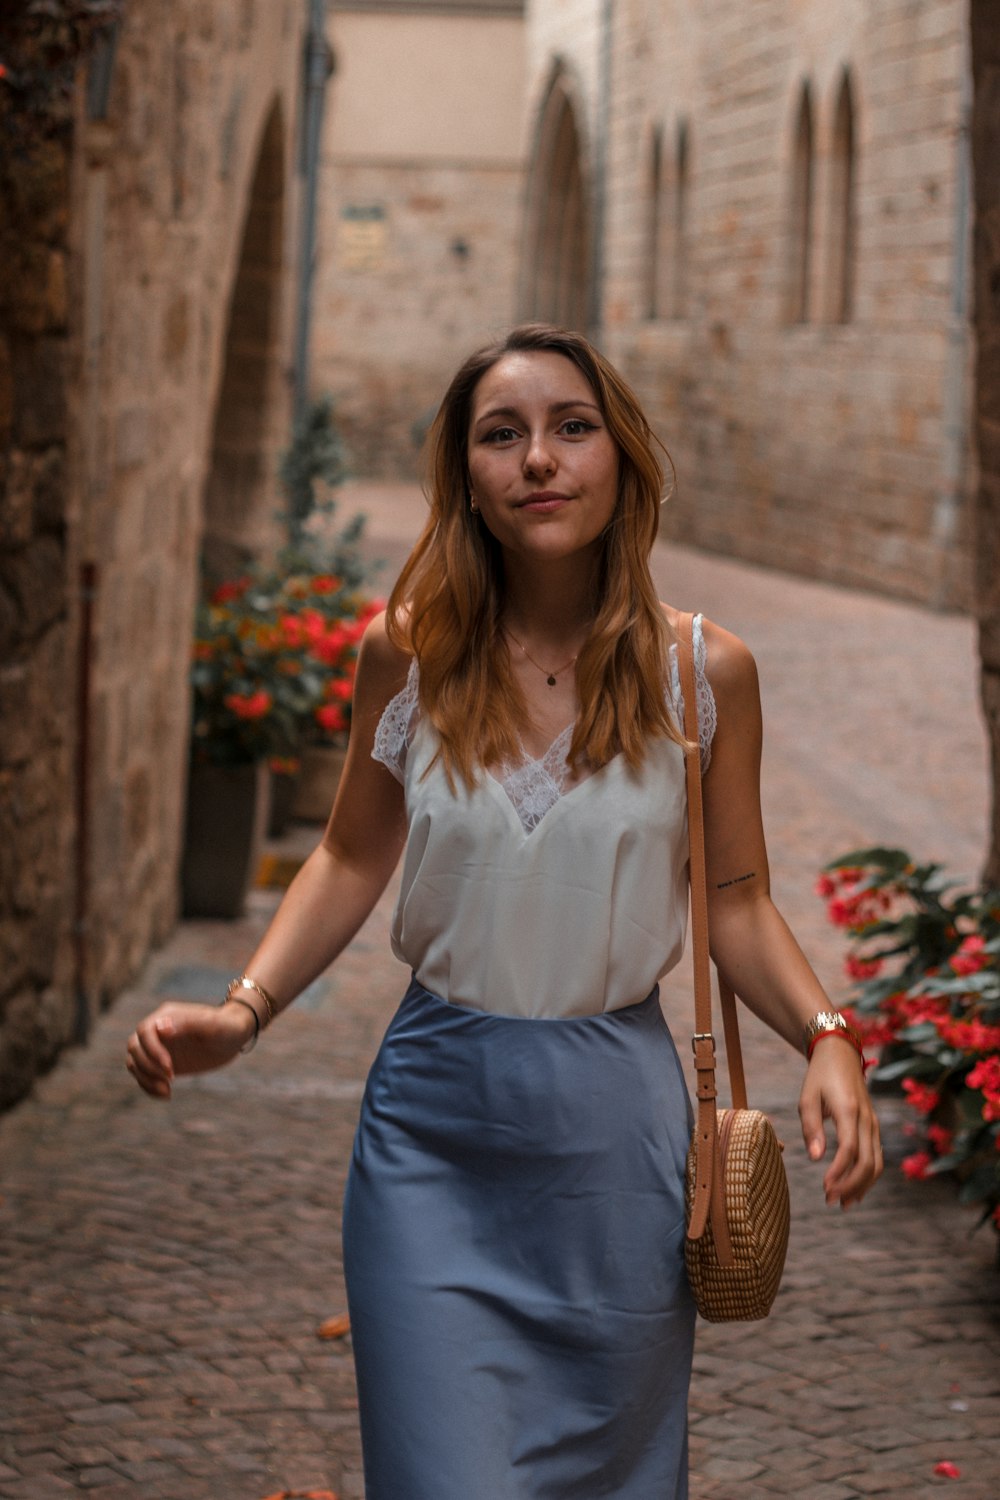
x=737, y=881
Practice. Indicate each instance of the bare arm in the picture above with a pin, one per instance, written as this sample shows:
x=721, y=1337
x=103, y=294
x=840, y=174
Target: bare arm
x=323, y=908
x=750, y=940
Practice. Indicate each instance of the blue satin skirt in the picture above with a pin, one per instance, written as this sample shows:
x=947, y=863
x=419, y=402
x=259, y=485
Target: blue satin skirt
x=514, y=1255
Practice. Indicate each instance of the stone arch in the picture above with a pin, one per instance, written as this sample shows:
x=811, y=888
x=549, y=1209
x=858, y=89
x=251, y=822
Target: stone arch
x=800, y=212
x=557, y=244
x=842, y=207
x=239, y=490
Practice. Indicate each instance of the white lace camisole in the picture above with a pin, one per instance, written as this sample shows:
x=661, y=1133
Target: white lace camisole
x=528, y=896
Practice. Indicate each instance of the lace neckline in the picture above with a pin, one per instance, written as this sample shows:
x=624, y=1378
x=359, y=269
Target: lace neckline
x=534, y=784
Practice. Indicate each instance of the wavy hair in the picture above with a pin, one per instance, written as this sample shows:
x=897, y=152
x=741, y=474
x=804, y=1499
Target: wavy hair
x=447, y=605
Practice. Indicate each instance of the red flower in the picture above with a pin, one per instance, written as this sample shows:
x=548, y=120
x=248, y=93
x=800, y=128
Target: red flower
x=234, y=589
x=291, y=630
x=825, y=886
x=862, y=968
x=948, y=1470
x=330, y=716
x=840, y=912
x=971, y=955
x=969, y=1036
x=940, y=1138
x=339, y=689
x=916, y=1166
x=922, y=1097
x=916, y=1008
x=249, y=705
x=325, y=583
x=985, y=1075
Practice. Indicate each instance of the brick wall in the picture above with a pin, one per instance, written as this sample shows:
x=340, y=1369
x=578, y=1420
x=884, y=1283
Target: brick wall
x=838, y=449
x=420, y=213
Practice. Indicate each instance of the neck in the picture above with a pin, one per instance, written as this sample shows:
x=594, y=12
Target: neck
x=549, y=602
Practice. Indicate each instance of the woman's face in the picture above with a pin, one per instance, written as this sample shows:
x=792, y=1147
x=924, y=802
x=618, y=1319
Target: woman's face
x=543, y=466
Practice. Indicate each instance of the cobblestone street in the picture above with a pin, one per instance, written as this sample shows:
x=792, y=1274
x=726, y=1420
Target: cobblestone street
x=164, y=1270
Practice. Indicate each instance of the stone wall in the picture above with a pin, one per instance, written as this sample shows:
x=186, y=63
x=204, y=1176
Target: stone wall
x=36, y=683
x=154, y=329
x=833, y=445
x=419, y=219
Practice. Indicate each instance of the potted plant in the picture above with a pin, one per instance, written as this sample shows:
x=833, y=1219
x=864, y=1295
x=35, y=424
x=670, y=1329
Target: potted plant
x=925, y=960
x=272, y=676
x=246, y=700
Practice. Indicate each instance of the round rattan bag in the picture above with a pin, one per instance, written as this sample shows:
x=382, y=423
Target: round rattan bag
x=757, y=1215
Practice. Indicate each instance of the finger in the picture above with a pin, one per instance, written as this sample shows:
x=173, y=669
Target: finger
x=860, y=1178
x=152, y=1082
x=867, y=1167
x=845, y=1159
x=811, y=1117
x=150, y=1055
x=150, y=1036
x=877, y=1163
x=877, y=1145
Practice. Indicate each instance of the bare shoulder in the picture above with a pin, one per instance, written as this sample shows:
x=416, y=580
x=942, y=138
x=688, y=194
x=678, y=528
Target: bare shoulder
x=729, y=663
x=382, y=666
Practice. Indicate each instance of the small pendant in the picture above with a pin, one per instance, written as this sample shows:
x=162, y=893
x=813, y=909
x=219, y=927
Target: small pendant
x=550, y=680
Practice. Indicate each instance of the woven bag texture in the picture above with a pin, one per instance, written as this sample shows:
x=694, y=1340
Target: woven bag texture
x=757, y=1213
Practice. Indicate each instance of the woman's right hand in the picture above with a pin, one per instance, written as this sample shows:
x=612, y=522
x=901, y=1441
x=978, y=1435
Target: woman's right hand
x=181, y=1038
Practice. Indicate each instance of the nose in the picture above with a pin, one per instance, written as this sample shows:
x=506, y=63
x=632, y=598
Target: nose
x=539, y=458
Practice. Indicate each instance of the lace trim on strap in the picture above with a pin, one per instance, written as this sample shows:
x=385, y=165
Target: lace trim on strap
x=707, y=713
x=395, y=728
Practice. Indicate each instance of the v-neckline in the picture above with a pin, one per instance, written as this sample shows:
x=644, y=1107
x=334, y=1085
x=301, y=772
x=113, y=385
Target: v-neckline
x=529, y=833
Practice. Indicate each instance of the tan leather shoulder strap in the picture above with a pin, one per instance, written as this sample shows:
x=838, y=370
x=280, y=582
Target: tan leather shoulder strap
x=709, y=1200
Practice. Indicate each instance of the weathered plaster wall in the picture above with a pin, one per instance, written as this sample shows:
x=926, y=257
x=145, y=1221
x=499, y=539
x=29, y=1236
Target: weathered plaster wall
x=420, y=213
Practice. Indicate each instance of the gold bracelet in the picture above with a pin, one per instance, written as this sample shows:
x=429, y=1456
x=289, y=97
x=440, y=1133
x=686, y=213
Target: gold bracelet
x=249, y=1045
x=244, y=982
x=824, y=1022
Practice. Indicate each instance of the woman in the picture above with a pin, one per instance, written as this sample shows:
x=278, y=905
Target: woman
x=514, y=1217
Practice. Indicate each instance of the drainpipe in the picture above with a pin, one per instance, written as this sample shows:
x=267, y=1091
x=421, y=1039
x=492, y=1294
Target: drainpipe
x=81, y=903
x=955, y=419
x=601, y=166
x=319, y=65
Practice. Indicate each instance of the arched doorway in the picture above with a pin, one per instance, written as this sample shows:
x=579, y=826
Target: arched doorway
x=239, y=492
x=556, y=269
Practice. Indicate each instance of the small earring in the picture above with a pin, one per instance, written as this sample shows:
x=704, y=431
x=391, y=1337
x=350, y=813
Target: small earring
x=473, y=507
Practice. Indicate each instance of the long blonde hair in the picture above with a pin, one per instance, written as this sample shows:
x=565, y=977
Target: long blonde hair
x=446, y=608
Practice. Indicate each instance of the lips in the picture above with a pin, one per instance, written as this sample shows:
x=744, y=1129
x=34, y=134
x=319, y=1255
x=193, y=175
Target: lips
x=542, y=500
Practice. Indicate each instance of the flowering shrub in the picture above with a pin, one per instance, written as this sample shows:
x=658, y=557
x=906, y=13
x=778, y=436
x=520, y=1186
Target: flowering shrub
x=925, y=960
x=274, y=662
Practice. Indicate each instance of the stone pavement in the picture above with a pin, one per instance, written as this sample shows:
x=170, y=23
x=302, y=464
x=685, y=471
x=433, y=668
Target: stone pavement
x=164, y=1270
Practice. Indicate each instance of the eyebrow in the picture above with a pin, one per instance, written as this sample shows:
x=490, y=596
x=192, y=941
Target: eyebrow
x=554, y=409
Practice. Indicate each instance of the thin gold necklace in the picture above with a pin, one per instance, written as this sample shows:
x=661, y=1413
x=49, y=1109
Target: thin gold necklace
x=550, y=677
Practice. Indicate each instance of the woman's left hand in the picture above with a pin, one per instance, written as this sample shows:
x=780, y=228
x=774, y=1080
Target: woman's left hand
x=834, y=1089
